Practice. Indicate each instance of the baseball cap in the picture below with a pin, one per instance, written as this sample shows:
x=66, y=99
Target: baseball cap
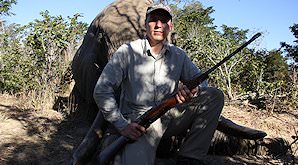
x=159, y=6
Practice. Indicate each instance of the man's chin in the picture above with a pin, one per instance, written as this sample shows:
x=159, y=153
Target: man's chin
x=158, y=38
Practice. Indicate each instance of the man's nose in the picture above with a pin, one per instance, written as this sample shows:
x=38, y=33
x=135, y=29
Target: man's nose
x=158, y=23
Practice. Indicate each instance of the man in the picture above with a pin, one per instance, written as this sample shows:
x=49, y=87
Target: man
x=148, y=71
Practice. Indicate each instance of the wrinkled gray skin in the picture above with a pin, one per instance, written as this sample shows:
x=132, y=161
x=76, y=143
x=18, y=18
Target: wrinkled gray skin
x=119, y=23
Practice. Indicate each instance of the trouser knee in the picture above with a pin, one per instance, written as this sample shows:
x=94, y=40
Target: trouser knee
x=209, y=99
x=209, y=93
x=214, y=93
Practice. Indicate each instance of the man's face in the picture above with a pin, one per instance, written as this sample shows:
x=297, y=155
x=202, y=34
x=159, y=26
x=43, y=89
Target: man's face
x=158, y=25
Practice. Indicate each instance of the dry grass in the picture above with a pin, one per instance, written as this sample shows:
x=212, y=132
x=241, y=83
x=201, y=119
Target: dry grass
x=43, y=136
x=276, y=125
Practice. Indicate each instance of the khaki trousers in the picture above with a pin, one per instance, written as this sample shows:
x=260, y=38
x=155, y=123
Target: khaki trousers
x=200, y=116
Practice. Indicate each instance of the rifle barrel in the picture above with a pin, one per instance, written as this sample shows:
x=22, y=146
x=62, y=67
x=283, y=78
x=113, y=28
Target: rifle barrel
x=194, y=83
x=154, y=113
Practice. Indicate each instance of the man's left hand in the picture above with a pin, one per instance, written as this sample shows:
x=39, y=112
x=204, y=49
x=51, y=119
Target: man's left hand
x=184, y=94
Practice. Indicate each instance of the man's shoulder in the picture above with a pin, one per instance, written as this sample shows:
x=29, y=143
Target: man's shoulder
x=174, y=47
x=137, y=45
x=137, y=42
x=176, y=50
x=131, y=44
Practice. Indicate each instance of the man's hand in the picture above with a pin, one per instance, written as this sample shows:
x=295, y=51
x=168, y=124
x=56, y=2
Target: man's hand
x=184, y=94
x=133, y=131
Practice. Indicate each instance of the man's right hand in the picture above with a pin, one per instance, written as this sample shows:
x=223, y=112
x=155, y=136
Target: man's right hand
x=133, y=131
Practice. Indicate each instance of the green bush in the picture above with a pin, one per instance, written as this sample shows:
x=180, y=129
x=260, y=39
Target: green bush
x=35, y=57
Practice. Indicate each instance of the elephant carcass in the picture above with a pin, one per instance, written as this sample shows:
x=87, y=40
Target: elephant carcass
x=120, y=22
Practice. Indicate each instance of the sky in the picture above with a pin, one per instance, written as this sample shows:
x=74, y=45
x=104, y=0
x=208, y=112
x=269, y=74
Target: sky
x=271, y=17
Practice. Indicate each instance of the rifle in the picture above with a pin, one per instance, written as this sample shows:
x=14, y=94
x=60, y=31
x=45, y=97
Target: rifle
x=156, y=112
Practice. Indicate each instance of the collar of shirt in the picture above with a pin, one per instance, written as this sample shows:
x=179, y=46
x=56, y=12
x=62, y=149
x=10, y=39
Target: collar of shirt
x=166, y=47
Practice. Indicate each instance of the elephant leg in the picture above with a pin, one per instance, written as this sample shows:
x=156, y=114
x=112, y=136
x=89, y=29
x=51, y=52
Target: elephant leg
x=90, y=143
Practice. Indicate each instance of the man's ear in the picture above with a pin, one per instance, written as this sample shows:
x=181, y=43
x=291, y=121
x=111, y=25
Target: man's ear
x=171, y=26
x=146, y=24
x=146, y=20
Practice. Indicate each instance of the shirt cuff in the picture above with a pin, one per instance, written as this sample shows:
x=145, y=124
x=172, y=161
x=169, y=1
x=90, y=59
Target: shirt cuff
x=120, y=123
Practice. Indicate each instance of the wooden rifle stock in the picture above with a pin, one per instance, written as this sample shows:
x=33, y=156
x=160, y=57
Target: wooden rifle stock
x=156, y=112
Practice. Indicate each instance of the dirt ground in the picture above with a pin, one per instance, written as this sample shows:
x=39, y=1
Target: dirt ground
x=43, y=137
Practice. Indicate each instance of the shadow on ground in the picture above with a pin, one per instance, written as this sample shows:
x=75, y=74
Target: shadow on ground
x=35, y=138
x=29, y=137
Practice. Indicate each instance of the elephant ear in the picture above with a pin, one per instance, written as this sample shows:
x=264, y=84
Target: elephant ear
x=119, y=23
